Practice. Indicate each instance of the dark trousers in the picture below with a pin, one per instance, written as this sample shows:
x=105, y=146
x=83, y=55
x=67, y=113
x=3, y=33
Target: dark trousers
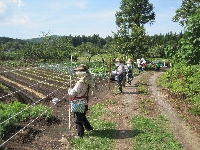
x=130, y=77
x=139, y=69
x=81, y=122
x=119, y=84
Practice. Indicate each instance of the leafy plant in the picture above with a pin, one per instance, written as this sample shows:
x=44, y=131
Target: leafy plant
x=184, y=81
x=11, y=109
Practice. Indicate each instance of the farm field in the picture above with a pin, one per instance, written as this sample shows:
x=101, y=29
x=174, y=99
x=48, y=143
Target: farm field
x=38, y=85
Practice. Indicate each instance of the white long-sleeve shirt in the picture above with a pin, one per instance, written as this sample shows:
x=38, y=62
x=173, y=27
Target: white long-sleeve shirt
x=79, y=89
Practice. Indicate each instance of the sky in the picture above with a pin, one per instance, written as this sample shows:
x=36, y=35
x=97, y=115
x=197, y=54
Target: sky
x=26, y=19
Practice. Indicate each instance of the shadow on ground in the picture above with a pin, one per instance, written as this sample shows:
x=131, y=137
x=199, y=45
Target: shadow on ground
x=113, y=134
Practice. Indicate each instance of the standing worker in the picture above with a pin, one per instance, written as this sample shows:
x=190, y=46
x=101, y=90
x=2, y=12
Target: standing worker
x=119, y=73
x=129, y=66
x=80, y=93
x=139, y=65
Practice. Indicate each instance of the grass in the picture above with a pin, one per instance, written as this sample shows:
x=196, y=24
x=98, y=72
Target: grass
x=153, y=134
x=103, y=134
x=146, y=105
x=142, y=87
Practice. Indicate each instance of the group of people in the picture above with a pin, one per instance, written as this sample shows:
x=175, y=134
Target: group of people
x=124, y=72
x=82, y=90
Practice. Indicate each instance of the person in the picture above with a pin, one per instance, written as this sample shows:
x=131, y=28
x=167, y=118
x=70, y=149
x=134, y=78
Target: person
x=119, y=73
x=82, y=90
x=139, y=65
x=129, y=67
x=143, y=63
x=124, y=74
x=157, y=64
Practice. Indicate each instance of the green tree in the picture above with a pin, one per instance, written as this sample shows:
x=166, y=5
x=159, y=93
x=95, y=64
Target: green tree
x=130, y=36
x=88, y=49
x=133, y=12
x=187, y=9
x=50, y=48
x=135, y=44
x=190, y=44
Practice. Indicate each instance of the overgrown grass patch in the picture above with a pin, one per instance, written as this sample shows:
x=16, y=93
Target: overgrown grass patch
x=153, y=134
x=103, y=134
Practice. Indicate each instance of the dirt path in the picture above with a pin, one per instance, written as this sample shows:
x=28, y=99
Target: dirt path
x=127, y=106
x=188, y=138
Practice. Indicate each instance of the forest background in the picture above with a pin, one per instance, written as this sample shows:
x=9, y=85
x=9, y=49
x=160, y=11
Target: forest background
x=130, y=40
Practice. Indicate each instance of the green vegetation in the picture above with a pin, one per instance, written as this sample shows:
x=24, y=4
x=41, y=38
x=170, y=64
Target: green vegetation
x=4, y=87
x=183, y=78
x=141, y=87
x=184, y=81
x=153, y=134
x=11, y=109
x=54, y=53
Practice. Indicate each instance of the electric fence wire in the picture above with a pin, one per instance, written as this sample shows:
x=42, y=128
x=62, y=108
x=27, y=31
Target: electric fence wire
x=32, y=120
x=29, y=123
x=28, y=86
x=29, y=106
x=19, y=90
x=17, y=70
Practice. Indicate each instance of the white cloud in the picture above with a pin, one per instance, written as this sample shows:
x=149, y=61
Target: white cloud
x=16, y=20
x=19, y=2
x=8, y=9
x=2, y=7
x=81, y=4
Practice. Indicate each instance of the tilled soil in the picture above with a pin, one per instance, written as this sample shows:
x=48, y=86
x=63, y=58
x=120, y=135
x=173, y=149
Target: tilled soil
x=55, y=133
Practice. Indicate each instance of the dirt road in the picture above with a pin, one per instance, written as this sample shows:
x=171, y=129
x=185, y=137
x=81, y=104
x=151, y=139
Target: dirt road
x=128, y=105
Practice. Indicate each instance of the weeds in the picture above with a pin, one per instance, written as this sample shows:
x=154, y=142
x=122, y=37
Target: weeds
x=184, y=80
x=146, y=106
x=153, y=134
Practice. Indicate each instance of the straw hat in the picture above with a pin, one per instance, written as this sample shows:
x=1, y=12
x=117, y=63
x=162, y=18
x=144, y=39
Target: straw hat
x=117, y=60
x=129, y=61
x=82, y=68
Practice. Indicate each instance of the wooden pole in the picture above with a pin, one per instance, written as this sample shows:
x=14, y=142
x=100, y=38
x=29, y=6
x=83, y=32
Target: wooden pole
x=69, y=95
x=109, y=73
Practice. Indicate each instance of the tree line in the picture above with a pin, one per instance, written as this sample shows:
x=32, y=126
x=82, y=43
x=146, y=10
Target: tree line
x=130, y=39
x=49, y=46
